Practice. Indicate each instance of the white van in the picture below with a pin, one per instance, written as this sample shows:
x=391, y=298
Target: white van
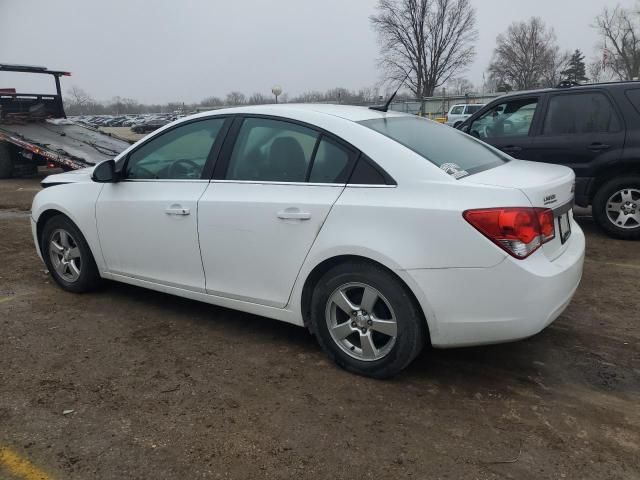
x=459, y=113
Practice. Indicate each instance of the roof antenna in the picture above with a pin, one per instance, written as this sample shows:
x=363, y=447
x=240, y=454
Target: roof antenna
x=385, y=107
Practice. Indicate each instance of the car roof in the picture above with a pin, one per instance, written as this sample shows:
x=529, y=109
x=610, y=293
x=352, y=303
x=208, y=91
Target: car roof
x=585, y=86
x=346, y=112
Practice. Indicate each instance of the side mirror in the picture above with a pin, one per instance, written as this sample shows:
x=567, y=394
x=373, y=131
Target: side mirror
x=105, y=172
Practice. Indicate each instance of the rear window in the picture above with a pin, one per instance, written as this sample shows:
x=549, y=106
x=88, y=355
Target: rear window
x=455, y=152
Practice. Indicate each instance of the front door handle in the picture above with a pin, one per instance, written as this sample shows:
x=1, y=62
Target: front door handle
x=293, y=214
x=177, y=210
x=511, y=149
x=597, y=146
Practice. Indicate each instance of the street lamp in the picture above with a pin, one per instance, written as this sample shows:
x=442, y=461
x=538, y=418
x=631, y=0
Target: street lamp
x=276, y=90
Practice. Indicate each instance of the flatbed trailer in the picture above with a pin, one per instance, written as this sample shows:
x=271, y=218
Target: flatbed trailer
x=34, y=130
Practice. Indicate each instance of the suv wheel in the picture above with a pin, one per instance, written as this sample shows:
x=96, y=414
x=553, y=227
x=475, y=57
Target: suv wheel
x=616, y=207
x=366, y=320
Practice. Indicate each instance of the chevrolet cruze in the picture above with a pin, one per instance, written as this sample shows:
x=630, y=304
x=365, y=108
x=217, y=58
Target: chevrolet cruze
x=379, y=232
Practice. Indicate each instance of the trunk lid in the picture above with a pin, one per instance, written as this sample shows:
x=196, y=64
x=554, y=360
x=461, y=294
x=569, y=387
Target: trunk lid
x=545, y=185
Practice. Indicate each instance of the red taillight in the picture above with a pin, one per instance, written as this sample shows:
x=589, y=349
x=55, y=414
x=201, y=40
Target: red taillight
x=520, y=231
x=547, y=224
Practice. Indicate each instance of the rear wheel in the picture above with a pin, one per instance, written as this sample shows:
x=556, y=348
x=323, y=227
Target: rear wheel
x=366, y=320
x=68, y=256
x=616, y=207
x=6, y=161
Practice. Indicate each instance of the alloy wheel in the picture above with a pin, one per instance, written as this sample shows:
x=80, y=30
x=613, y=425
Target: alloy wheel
x=361, y=321
x=65, y=255
x=623, y=208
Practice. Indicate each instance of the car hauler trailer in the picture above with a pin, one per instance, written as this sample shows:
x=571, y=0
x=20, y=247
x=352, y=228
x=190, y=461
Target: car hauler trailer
x=34, y=130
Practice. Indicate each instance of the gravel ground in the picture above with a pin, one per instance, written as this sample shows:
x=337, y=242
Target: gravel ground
x=163, y=387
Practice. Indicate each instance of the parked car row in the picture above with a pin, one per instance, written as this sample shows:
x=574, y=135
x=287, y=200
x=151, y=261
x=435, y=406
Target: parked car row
x=140, y=123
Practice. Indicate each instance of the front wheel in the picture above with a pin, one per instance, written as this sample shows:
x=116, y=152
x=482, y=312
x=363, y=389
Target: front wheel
x=68, y=256
x=366, y=320
x=616, y=207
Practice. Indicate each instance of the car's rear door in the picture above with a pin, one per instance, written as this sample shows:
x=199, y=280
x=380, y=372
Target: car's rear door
x=147, y=222
x=508, y=125
x=581, y=129
x=273, y=188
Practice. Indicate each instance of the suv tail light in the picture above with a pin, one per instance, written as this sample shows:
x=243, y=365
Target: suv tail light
x=519, y=231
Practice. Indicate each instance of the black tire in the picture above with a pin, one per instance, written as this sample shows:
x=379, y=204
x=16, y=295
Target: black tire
x=600, y=205
x=6, y=161
x=89, y=276
x=412, y=332
x=456, y=125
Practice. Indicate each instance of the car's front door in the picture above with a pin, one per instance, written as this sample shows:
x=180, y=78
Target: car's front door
x=581, y=130
x=271, y=193
x=508, y=126
x=147, y=222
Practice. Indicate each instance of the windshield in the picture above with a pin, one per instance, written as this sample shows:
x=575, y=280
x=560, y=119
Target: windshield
x=455, y=152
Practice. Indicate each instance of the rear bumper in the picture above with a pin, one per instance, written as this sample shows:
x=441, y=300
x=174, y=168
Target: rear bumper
x=510, y=301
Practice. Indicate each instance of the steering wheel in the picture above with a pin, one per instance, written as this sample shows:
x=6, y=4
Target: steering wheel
x=141, y=172
x=187, y=166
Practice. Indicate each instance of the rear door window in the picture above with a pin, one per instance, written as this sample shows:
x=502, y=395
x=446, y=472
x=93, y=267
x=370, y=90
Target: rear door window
x=331, y=163
x=580, y=113
x=272, y=151
x=471, y=109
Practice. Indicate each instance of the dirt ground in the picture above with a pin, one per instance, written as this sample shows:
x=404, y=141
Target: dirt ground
x=163, y=387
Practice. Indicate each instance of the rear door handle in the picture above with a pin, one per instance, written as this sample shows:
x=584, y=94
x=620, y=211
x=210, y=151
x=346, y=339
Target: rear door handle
x=598, y=146
x=177, y=210
x=293, y=214
x=511, y=149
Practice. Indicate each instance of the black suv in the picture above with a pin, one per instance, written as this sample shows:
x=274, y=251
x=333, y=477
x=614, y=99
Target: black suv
x=594, y=129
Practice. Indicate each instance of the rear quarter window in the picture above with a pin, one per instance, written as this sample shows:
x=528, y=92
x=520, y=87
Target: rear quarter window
x=449, y=149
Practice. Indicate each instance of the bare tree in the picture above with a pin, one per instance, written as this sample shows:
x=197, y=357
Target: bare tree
x=211, y=102
x=527, y=56
x=459, y=86
x=236, y=98
x=620, y=28
x=259, y=99
x=598, y=72
x=429, y=40
x=553, y=71
x=78, y=100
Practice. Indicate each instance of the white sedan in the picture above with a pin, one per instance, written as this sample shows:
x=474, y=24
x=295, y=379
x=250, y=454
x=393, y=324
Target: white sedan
x=379, y=232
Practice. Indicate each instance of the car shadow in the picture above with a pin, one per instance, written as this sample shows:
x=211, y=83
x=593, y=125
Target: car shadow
x=542, y=362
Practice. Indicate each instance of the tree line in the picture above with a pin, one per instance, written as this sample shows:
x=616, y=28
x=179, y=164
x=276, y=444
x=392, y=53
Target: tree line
x=78, y=102
x=432, y=42
x=428, y=45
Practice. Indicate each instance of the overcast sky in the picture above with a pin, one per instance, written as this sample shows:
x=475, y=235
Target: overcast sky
x=185, y=50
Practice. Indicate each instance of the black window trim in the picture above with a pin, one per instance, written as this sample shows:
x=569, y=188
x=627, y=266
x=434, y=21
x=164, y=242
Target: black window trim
x=612, y=101
x=389, y=181
x=212, y=157
x=219, y=171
